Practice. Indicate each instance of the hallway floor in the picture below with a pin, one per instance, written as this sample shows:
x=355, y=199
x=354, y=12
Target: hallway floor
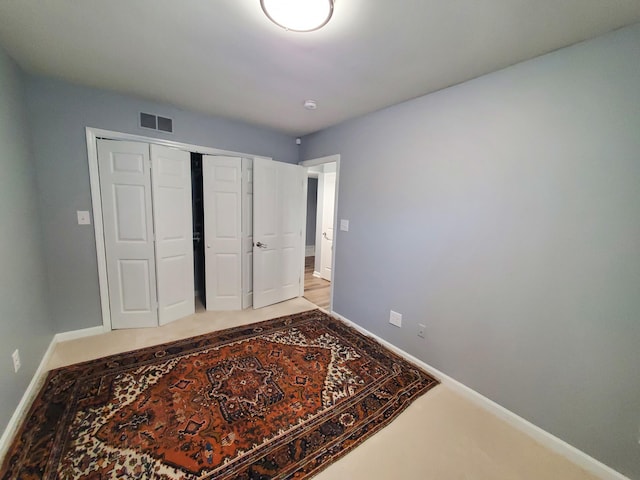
x=316, y=290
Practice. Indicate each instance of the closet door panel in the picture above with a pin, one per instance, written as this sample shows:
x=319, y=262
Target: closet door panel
x=222, y=201
x=125, y=189
x=172, y=213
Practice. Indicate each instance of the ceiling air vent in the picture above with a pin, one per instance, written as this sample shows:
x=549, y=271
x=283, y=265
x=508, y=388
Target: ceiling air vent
x=153, y=122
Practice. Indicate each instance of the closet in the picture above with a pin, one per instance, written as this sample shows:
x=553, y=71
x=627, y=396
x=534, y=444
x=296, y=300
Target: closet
x=198, y=226
x=173, y=220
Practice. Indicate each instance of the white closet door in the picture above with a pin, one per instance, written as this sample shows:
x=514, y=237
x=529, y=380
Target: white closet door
x=247, y=232
x=172, y=214
x=125, y=187
x=277, y=228
x=222, y=196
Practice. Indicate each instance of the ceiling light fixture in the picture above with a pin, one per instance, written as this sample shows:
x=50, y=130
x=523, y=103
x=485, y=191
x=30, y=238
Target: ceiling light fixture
x=298, y=15
x=310, y=104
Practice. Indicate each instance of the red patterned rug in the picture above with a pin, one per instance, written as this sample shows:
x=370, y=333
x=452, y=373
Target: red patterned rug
x=277, y=399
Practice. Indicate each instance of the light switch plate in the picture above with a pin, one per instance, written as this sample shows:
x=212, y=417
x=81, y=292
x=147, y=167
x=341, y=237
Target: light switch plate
x=15, y=356
x=344, y=225
x=84, y=218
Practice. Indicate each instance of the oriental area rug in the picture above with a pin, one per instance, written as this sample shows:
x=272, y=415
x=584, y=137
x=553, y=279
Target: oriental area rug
x=280, y=399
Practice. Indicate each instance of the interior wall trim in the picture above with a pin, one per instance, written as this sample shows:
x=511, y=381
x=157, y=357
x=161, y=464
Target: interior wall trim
x=25, y=402
x=543, y=437
x=75, y=334
x=36, y=382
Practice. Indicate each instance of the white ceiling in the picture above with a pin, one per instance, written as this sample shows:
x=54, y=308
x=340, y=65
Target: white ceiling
x=223, y=57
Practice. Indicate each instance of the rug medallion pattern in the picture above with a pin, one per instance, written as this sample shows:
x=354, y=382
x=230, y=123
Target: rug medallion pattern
x=276, y=399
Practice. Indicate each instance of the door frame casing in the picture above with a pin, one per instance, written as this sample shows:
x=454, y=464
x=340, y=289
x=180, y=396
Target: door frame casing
x=92, y=134
x=312, y=163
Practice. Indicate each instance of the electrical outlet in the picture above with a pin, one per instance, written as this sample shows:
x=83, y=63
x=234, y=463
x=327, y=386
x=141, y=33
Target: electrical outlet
x=395, y=318
x=421, y=330
x=83, y=217
x=16, y=360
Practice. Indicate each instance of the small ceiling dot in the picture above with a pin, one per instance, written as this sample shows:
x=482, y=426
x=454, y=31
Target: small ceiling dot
x=310, y=104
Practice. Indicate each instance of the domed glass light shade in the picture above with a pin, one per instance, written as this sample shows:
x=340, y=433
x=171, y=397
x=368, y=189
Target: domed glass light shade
x=298, y=15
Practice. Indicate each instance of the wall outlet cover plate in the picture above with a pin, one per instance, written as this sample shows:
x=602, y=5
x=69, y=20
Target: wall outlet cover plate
x=395, y=318
x=83, y=217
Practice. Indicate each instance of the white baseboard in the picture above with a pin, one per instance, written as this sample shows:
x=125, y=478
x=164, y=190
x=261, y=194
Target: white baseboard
x=34, y=386
x=543, y=437
x=317, y=274
x=25, y=402
x=74, y=334
x=310, y=251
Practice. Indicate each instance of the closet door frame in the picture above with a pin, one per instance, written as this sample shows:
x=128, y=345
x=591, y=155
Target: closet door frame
x=92, y=135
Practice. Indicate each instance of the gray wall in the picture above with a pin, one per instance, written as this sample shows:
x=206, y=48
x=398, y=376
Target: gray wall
x=312, y=210
x=504, y=213
x=59, y=113
x=24, y=319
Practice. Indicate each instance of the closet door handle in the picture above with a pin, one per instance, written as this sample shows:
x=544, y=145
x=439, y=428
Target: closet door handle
x=261, y=245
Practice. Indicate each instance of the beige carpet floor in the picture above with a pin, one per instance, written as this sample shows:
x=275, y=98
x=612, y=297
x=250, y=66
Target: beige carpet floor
x=440, y=436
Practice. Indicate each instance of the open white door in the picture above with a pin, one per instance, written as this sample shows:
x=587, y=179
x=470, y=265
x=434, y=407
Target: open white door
x=222, y=185
x=172, y=216
x=277, y=231
x=328, y=213
x=125, y=187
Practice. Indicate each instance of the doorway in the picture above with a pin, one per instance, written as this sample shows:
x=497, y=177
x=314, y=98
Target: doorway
x=321, y=213
x=198, y=230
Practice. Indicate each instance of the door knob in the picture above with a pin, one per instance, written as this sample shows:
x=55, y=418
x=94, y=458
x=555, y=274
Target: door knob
x=261, y=245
